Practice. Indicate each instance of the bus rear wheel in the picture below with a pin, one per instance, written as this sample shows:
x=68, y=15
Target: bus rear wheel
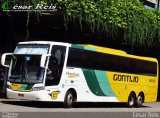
x=139, y=100
x=131, y=100
x=69, y=99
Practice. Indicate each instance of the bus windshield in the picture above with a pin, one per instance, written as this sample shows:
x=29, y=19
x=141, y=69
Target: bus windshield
x=26, y=69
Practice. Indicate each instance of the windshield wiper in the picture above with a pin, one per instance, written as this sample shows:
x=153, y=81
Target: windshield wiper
x=24, y=73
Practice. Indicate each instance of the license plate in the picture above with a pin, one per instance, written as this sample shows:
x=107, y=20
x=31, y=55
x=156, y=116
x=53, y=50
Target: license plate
x=21, y=95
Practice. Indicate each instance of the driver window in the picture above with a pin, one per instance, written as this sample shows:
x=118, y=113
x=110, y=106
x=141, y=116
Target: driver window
x=55, y=65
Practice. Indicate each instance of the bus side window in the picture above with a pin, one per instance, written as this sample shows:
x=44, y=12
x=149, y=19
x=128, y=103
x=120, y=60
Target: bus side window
x=55, y=65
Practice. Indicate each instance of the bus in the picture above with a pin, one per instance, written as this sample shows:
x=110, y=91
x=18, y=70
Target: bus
x=68, y=73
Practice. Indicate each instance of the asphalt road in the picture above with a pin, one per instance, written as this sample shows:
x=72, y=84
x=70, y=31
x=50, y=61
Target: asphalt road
x=26, y=109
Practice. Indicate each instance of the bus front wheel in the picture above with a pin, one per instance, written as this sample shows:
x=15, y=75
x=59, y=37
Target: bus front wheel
x=69, y=99
x=131, y=100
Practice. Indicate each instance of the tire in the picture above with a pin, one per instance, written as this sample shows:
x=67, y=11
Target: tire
x=139, y=100
x=69, y=99
x=131, y=100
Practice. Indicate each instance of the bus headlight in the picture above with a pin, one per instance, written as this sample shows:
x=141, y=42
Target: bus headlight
x=38, y=88
x=8, y=86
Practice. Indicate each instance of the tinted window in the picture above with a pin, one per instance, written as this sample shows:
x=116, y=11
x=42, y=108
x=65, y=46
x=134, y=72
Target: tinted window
x=100, y=61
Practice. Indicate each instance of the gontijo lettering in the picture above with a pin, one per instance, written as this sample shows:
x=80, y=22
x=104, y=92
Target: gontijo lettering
x=125, y=78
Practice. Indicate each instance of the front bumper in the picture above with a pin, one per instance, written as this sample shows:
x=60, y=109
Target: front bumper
x=41, y=95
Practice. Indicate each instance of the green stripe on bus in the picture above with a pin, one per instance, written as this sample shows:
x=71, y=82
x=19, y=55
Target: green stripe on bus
x=98, y=82
x=77, y=46
x=93, y=82
x=23, y=86
x=29, y=87
x=83, y=47
x=104, y=82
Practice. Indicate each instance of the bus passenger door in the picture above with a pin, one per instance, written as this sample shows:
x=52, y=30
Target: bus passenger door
x=55, y=65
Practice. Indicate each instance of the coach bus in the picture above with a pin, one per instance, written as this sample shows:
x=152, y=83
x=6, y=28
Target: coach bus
x=69, y=73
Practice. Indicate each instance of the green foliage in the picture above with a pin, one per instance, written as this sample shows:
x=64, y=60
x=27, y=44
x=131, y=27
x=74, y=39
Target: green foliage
x=140, y=26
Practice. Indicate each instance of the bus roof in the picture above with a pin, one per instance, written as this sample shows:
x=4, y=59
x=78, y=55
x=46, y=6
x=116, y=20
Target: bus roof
x=92, y=48
x=45, y=42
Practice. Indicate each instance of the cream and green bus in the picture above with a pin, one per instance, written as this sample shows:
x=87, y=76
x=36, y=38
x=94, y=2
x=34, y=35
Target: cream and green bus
x=69, y=73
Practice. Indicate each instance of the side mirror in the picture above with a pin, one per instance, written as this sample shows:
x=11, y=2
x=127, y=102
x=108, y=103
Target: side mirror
x=6, y=59
x=43, y=60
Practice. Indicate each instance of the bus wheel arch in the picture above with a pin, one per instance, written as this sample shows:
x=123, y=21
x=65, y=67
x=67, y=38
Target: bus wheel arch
x=140, y=99
x=70, y=98
x=131, y=99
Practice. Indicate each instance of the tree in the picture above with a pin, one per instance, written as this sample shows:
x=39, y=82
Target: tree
x=140, y=26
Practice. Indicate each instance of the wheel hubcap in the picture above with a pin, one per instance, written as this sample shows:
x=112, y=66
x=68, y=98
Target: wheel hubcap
x=139, y=100
x=131, y=101
x=70, y=99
